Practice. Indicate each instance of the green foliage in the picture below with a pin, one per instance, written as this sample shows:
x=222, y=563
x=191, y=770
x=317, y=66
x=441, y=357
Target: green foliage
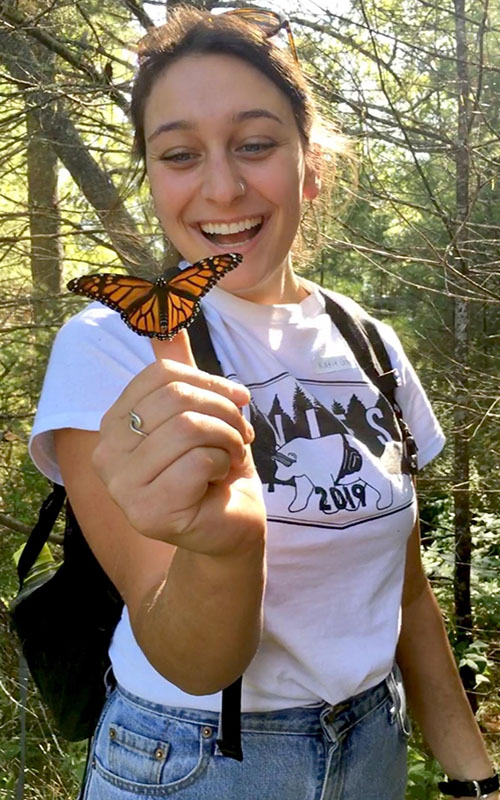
x=475, y=656
x=423, y=774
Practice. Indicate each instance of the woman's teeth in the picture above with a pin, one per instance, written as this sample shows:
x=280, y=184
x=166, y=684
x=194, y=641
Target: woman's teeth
x=223, y=228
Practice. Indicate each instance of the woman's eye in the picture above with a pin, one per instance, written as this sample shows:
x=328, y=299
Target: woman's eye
x=182, y=157
x=257, y=147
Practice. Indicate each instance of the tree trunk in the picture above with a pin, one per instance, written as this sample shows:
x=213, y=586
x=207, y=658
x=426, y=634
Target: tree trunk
x=59, y=130
x=463, y=540
x=42, y=168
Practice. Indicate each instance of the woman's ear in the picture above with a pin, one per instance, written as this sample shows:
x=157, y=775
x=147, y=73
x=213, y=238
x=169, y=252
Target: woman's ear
x=312, y=184
x=312, y=177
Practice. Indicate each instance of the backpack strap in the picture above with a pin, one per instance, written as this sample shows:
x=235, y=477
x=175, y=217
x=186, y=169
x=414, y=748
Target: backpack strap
x=47, y=516
x=202, y=347
x=229, y=735
x=365, y=342
x=362, y=336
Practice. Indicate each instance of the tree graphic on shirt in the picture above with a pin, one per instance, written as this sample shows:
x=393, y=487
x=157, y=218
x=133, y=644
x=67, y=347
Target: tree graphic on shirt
x=356, y=420
x=301, y=404
x=318, y=450
x=263, y=446
x=312, y=418
x=374, y=426
x=282, y=422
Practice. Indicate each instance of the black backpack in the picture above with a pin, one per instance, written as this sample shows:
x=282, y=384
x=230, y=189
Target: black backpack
x=66, y=619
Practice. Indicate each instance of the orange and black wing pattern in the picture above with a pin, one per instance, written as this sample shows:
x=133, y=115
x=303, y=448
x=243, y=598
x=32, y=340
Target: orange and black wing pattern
x=160, y=309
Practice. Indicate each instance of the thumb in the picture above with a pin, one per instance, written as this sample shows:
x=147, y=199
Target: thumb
x=177, y=349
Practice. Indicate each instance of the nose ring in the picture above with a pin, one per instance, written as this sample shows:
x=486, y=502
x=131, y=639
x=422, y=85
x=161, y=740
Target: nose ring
x=242, y=185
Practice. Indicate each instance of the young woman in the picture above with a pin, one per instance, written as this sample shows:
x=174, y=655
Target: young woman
x=296, y=580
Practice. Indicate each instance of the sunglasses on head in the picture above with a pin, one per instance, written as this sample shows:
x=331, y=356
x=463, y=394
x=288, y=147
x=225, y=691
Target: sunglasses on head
x=269, y=22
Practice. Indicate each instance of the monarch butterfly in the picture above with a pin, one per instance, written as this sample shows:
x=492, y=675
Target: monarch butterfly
x=160, y=309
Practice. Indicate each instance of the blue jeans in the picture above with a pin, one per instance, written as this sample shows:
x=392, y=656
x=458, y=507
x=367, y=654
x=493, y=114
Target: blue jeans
x=354, y=750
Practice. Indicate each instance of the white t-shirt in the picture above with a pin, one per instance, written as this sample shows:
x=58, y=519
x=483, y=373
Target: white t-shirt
x=329, y=455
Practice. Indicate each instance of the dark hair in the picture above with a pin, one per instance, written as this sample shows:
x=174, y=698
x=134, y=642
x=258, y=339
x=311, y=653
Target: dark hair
x=190, y=31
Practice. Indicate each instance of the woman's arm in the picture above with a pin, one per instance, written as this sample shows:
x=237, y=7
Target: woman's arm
x=435, y=692
x=177, y=521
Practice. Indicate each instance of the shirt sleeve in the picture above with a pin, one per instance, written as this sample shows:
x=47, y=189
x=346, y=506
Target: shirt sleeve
x=93, y=358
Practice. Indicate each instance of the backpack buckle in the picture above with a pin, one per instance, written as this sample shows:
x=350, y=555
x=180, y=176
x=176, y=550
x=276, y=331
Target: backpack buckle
x=389, y=381
x=411, y=449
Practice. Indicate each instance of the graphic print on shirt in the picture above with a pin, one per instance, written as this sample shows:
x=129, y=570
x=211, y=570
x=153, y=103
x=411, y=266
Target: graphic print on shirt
x=340, y=464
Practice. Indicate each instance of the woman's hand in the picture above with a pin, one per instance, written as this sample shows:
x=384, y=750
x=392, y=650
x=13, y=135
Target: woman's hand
x=191, y=481
x=176, y=517
x=435, y=692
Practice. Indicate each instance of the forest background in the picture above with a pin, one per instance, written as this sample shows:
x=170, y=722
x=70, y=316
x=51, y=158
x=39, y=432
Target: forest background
x=415, y=84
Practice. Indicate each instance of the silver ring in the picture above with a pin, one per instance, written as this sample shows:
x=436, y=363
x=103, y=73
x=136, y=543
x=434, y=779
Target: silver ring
x=243, y=186
x=136, y=423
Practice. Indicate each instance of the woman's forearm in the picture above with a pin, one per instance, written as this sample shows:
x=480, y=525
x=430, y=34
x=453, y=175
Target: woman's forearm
x=201, y=627
x=435, y=692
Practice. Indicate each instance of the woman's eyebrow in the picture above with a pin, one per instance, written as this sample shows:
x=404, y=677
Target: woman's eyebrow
x=255, y=113
x=177, y=125
x=241, y=116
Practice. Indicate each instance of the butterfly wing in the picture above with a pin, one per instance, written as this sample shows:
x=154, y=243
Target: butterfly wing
x=198, y=279
x=186, y=288
x=148, y=318
x=181, y=313
x=159, y=309
x=116, y=291
x=139, y=301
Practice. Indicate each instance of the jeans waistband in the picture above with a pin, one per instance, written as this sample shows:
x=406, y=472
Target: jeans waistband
x=300, y=720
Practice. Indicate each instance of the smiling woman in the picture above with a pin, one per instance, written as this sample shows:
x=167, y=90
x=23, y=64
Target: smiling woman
x=214, y=145
x=240, y=151
x=262, y=524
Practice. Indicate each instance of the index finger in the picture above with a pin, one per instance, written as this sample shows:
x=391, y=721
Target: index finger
x=177, y=349
x=174, y=362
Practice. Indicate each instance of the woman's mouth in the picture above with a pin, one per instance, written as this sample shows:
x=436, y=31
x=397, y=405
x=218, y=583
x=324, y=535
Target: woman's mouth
x=232, y=233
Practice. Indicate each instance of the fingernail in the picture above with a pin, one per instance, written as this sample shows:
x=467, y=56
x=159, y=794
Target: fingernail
x=249, y=431
x=243, y=390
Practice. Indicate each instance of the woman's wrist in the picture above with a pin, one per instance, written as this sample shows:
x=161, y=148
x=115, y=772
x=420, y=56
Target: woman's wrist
x=480, y=787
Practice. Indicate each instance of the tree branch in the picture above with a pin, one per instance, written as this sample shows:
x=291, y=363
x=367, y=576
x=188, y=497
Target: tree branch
x=94, y=182
x=17, y=21
x=139, y=13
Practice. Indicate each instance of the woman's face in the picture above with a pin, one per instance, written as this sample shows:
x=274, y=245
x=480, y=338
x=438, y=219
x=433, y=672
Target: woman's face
x=212, y=122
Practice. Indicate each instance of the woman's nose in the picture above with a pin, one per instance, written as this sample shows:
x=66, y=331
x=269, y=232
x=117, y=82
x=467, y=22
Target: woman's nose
x=222, y=183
